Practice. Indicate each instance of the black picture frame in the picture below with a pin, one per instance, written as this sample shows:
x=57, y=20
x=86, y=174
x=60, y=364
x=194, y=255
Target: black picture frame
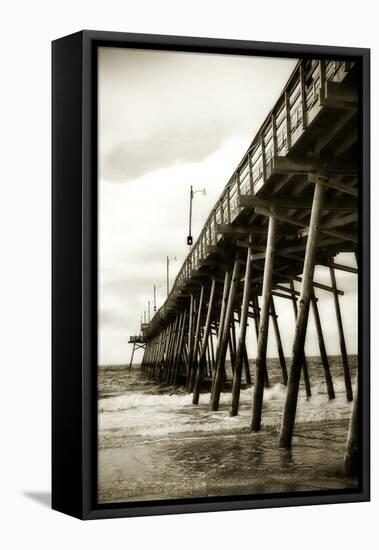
x=74, y=272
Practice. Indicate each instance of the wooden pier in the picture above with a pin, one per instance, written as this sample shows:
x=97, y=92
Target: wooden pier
x=291, y=204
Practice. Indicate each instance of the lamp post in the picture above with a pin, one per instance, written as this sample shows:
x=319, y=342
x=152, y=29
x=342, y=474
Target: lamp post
x=192, y=194
x=168, y=273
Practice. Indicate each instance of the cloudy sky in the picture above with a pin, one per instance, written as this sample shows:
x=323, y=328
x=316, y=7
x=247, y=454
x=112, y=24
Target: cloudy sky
x=168, y=120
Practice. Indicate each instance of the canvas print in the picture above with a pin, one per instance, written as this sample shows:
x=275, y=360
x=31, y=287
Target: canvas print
x=228, y=252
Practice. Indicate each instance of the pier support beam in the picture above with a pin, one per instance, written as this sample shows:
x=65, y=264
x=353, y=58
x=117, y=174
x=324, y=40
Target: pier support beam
x=242, y=335
x=345, y=363
x=247, y=366
x=179, y=348
x=255, y=303
x=260, y=363
x=131, y=359
x=321, y=345
x=207, y=330
x=278, y=342
x=224, y=335
x=190, y=340
x=304, y=360
x=289, y=412
x=351, y=461
x=192, y=372
x=224, y=303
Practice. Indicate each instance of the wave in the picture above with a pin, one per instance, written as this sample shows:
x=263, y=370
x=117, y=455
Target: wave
x=175, y=401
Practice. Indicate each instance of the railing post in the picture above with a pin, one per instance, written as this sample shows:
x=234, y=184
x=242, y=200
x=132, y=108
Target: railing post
x=228, y=203
x=274, y=136
x=215, y=224
x=250, y=163
x=238, y=182
x=303, y=96
x=288, y=118
x=263, y=156
x=322, y=80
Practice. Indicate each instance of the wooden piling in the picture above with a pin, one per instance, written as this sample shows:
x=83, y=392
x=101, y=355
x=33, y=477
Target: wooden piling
x=351, y=460
x=131, y=359
x=174, y=353
x=212, y=351
x=224, y=336
x=255, y=303
x=289, y=412
x=180, y=348
x=197, y=341
x=247, y=366
x=282, y=360
x=170, y=346
x=260, y=362
x=345, y=363
x=233, y=341
x=190, y=340
x=304, y=369
x=321, y=345
x=207, y=330
x=225, y=294
x=242, y=335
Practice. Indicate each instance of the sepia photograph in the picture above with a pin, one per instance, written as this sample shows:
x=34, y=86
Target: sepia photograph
x=228, y=269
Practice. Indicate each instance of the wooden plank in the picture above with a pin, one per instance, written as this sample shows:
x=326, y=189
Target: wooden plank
x=340, y=267
x=333, y=131
x=285, y=289
x=343, y=235
x=228, y=229
x=319, y=285
x=286, y=165
x=280, y=295
x=343, y=203
x=297, y=248
x=340, y=96
x=333, y=183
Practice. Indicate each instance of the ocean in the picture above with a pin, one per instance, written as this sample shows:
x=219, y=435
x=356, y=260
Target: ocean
x=153, y=444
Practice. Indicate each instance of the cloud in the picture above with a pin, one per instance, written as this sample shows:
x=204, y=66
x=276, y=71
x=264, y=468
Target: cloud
x=128, y=160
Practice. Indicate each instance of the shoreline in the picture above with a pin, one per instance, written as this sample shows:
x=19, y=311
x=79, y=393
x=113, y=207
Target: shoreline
x=193, y=465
